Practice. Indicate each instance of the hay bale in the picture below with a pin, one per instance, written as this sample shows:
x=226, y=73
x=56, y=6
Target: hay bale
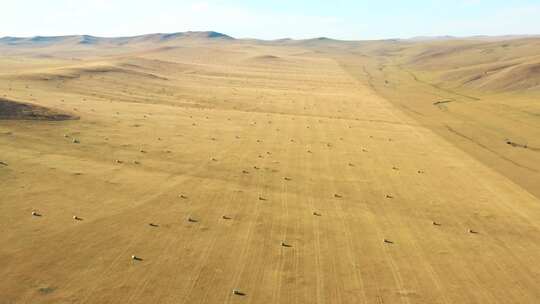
x=238, y=292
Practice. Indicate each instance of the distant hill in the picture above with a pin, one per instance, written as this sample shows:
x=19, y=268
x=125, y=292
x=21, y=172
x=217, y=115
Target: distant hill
x=93, y=40
x=88, y=40
x=476, y=37
x=429, y=38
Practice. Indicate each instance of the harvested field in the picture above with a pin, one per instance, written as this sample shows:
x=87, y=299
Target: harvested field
x=322, y=173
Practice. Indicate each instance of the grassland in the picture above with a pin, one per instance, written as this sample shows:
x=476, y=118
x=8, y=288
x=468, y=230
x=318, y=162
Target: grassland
x=293, y=171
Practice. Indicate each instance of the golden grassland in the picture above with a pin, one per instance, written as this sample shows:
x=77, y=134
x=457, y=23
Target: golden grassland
x=292, y=171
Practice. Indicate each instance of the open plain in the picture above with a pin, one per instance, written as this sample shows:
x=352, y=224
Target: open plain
x=178, y=168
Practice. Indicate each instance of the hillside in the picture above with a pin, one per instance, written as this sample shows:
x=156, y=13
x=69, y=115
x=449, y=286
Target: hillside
x=477, y=94
x=507, y=65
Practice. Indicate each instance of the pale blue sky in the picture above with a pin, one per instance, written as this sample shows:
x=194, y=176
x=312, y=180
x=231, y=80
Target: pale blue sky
x=267, y=19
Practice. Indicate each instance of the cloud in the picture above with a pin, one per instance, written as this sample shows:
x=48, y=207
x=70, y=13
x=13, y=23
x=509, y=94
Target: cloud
x=200, y=6
x=504, y=21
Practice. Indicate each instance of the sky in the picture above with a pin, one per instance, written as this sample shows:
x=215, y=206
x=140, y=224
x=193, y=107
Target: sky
x=271, y=19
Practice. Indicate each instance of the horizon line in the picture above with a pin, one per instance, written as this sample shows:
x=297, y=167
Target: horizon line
x=276, y=39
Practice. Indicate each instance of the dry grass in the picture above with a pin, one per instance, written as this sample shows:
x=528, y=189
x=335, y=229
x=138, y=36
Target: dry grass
x=463, y=231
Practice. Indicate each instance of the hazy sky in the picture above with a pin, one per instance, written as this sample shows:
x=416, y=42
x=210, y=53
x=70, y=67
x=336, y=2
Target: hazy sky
x=269, y=19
